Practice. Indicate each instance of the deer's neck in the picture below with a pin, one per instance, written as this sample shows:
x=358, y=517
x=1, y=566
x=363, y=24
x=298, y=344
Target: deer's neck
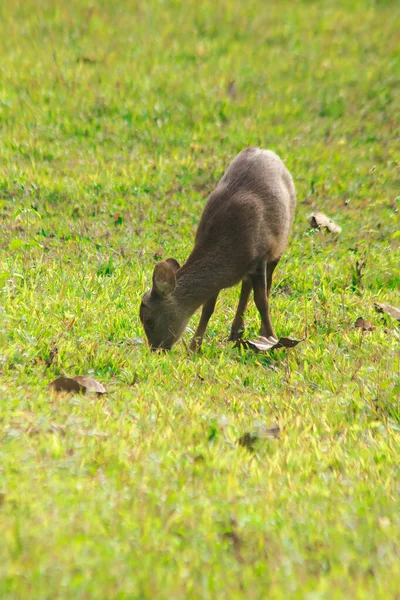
x=197, y=281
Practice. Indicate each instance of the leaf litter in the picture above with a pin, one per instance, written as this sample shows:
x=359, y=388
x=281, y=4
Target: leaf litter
x=264, y=344
x=249, y=439
x=319, y=221
x=78, y=384
x=387, y=309
x=364, y=325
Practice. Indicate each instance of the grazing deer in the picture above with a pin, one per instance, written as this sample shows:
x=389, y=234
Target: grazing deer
x=241, y=236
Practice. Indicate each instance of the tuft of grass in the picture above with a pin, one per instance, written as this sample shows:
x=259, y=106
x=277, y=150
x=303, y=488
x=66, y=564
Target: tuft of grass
x=117, y=119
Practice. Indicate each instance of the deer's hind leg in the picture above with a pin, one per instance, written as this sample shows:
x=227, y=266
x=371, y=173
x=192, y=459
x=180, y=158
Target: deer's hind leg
x=271, y=265
x=237, y=328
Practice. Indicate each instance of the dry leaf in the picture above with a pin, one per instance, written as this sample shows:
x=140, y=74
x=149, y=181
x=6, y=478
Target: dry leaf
x=319, y=220
x=66, y=384
x=249, y=439
x=388, y=310
x=78, y=384
x=270, y=432
x=286, y=342
x=264, y=344
x=364, y=325
x=87, y=59
x=137, y=340
x=91, y=385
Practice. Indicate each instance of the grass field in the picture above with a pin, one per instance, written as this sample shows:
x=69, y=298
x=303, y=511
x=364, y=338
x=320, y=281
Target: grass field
x=117, y=119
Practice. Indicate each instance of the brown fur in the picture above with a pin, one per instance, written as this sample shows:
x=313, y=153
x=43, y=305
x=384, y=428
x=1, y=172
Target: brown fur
x=241, y=236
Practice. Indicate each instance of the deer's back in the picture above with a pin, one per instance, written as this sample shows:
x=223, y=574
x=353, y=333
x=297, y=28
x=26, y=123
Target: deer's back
x=249, y=214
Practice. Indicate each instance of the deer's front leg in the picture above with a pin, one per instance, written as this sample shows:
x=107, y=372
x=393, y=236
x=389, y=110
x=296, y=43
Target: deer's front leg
x=207, y=311
x=237, y=328
x=261, y=300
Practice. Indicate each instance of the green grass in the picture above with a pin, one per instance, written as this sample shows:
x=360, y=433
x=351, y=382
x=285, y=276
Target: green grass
x=116, y=122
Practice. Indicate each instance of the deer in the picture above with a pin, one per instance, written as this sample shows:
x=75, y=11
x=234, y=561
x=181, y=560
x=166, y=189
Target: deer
x=242, y=234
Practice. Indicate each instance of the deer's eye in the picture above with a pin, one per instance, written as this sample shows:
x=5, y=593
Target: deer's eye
x=149, y=324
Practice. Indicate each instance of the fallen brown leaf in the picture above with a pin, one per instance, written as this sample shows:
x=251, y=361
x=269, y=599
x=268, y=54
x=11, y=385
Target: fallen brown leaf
x=271, y=432
x=264, y=344
x=78, y=384
x=319, y=220
x=364, y=325
x=137, y=340
x=286, y=342
x=91, y=385
x=388, y=310
x=249, y=439
x=87, y=59
x=66, y=384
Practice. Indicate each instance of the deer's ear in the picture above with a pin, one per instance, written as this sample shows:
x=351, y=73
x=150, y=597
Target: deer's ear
x=173, y=264
x=164, y=281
